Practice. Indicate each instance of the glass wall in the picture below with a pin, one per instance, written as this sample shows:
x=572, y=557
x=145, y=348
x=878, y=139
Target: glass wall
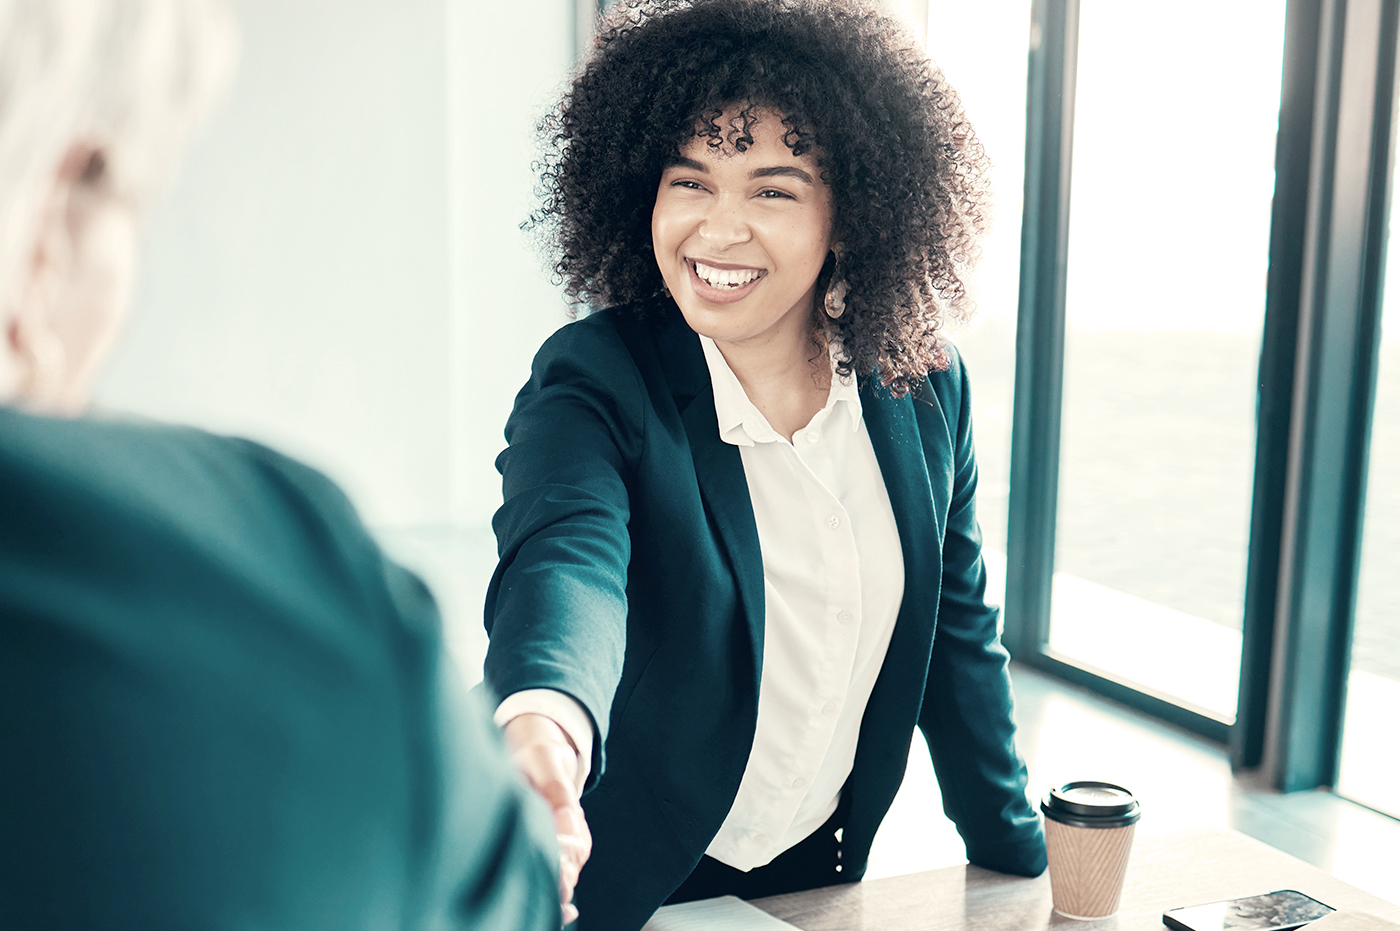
x=1175, y=118
x=1370, y=752
x=981, y=47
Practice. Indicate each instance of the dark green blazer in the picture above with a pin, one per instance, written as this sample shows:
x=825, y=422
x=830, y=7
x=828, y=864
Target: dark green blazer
x=222, y=708
x=631, y=578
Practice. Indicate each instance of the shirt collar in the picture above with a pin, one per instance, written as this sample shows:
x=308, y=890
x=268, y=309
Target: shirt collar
x=742, y=424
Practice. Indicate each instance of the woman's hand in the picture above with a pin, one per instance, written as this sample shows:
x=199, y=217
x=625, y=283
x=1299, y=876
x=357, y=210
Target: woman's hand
x=549, y=760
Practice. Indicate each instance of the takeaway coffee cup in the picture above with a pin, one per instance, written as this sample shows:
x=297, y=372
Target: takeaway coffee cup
x=1088, y=836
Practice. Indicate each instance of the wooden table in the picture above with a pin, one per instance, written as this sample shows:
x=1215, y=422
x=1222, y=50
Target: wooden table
x=1164, y=872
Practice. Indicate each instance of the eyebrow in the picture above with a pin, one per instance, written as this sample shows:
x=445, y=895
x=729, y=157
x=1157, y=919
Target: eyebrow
x=785, y=171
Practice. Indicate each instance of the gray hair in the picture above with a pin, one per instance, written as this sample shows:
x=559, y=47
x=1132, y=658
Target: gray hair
x=127, y=77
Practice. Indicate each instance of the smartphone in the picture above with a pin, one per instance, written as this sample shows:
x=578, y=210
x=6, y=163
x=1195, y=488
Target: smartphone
x=1274, y=911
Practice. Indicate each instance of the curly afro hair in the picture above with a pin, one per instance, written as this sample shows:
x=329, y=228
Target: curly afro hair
x=853, y=87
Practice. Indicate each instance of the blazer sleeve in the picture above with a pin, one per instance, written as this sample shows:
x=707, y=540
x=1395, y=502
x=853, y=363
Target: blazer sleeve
x=556, y=609
x=967, y=708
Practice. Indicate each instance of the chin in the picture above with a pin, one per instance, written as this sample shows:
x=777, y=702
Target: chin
x=708, y=321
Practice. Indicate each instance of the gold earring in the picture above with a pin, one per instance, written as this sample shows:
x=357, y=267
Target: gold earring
x=835, y=301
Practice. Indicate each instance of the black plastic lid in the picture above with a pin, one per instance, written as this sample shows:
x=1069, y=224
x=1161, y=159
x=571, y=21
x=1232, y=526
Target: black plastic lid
x=1091, y=805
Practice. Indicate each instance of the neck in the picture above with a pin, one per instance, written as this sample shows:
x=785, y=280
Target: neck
x=787, y=376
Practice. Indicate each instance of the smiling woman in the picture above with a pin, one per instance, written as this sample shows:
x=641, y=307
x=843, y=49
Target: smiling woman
x=739, y=499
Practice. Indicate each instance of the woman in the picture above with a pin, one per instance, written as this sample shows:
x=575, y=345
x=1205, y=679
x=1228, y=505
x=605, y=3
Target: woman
x=739, y=556
x=220, y=705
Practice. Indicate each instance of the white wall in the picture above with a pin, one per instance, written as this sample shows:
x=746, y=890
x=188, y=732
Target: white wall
x=508, y=63
x=337, y=270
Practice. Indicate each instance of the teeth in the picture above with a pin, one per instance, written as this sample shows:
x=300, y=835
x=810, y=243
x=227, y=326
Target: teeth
x=725, y=277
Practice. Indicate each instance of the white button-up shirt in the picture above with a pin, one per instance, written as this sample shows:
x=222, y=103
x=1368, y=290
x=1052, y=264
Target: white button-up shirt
x=833, y=581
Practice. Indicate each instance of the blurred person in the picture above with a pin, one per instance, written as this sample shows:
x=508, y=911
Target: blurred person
x=740, y=563
x=221, y=706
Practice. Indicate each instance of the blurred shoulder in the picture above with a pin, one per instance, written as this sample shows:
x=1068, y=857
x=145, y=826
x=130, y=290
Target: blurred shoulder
x=144, y=466
x=143, y=500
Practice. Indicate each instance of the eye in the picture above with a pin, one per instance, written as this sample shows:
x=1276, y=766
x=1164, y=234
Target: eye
x=688, y=184
x=775, y=194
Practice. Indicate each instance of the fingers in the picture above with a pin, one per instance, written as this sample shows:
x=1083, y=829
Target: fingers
x=575, y=844
x=549, y=762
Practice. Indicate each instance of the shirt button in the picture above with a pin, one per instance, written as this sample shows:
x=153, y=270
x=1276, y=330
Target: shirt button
x=761, y=840
x=813, y=436
x=799, y=782
x=829, y=707
x=833, y=522
x=844, y=617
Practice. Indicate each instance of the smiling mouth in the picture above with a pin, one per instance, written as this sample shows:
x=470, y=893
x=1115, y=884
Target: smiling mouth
x=726, y=279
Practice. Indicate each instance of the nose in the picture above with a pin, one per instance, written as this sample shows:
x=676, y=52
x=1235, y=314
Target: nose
x=725, y=223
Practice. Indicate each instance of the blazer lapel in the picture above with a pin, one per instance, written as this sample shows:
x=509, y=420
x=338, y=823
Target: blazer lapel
x=719, y=471
x=894, y=434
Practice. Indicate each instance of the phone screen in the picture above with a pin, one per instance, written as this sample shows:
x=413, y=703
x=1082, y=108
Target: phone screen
x=1275, y=911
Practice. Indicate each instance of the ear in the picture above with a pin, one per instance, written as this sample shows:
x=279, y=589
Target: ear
x=59, y=225
x=34, y=350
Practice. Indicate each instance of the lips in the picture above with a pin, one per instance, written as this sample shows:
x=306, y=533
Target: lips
x=722, y=283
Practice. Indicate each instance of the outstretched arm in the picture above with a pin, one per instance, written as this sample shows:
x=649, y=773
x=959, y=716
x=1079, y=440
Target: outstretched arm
x=556, y=610
x=557, y=607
